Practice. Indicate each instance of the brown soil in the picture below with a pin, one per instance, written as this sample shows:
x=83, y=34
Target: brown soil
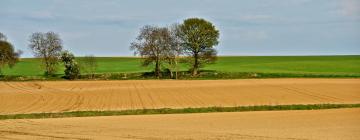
x=59, y=96
x=335, y=124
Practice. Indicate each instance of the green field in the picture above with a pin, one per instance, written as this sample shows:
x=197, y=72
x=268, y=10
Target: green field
x=320, y=65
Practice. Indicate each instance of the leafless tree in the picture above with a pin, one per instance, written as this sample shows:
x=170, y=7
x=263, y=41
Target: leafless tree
x=153, y=44
x=47, y=46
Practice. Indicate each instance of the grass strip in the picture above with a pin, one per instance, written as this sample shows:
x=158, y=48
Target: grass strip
x=182, y=75
x=177, y=111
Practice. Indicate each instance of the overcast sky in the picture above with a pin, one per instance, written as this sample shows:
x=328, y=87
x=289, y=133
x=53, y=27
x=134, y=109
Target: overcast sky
x=247, y=27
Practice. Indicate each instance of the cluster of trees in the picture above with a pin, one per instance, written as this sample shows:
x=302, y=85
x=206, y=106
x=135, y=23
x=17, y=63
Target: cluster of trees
x=195, y=39
x=47, y=46
x=161, y=47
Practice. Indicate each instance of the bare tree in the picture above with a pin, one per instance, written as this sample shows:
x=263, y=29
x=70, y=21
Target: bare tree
x=47, y=46
x=89, y=65
x=153, y=44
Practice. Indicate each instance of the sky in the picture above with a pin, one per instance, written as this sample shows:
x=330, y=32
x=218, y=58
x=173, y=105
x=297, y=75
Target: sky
x=247, y=27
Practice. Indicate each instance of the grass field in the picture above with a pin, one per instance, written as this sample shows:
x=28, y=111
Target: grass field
x=330, y=65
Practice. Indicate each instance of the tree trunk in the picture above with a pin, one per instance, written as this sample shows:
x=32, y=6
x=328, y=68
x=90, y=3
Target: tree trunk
x=171, y=74
x=157, y=69
x=196, y=65
x=176, y=69
x=47, y=65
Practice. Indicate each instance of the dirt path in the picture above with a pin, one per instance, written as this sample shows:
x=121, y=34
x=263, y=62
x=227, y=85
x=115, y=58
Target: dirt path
x=58, y=96
x=335, y=124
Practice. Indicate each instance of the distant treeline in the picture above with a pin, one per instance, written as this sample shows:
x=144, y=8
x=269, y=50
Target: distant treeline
x=160, y=48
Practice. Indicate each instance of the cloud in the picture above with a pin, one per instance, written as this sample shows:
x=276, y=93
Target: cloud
x=236, y=21
x=248, y=35
x=255, y=17
x=254, y=35
x=350, y=8
x=43, y=15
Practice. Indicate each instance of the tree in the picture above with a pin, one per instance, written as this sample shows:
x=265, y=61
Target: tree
x=175, y=51
x=72, y=69
x=198, y=38
x=89, y=65
x=8, y=56
x=47, y=46
x=153, y=44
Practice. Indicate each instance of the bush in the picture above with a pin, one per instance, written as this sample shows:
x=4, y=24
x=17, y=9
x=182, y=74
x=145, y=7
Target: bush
x=72, y=69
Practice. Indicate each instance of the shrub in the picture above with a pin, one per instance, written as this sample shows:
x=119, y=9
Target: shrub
x=72, y=69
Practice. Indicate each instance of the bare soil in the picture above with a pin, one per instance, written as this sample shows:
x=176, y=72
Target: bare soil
x=60, y=96
x=334, y=124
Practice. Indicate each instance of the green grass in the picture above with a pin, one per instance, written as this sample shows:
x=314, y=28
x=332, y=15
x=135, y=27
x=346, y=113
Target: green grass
x=119, y=64
x=289, y=64
x=177, y=111
x=300, y=65
x=33, y=67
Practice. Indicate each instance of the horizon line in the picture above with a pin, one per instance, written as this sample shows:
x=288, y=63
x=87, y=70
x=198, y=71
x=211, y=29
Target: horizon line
x=219, y=56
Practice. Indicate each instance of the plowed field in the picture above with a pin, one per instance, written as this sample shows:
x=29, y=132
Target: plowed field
x=334, y=124
x=59, y=96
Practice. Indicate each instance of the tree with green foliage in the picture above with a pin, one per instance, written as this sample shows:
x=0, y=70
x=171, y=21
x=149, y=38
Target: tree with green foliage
x=198, y=38
x=72, y=69
x=153, y=44
x=8, y=56
x=47, y=46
